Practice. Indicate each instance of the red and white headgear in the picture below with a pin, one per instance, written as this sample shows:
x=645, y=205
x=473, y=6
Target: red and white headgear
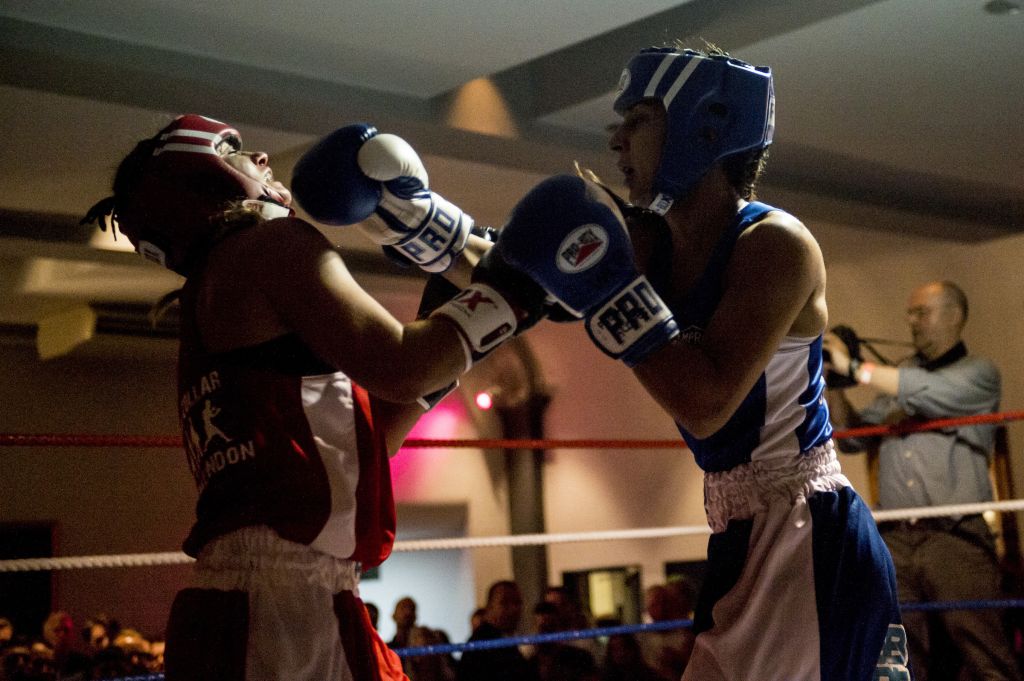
x=171, y=211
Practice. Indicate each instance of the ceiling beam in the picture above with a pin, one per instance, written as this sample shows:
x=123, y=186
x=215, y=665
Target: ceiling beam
x=957, y=208
x=69, y=63
x=542, y=86
x=61, y=237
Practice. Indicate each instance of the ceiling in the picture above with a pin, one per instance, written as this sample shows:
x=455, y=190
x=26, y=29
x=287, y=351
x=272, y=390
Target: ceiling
x=898, y=114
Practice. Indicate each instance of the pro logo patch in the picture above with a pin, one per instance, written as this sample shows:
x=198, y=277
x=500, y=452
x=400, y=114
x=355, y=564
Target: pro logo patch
x=582, y=249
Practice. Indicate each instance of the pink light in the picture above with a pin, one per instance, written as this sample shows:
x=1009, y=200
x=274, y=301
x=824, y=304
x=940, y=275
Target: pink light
x=416, y=470
x=484, y=400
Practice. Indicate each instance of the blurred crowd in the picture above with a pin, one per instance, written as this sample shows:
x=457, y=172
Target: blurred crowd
x=645, y=656
x=101, y=648
x=98, y=648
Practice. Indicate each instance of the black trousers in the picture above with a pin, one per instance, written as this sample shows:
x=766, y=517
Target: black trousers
x=946, y=559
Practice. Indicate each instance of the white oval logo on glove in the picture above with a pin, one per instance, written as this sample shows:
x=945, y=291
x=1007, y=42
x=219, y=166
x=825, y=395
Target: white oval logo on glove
x=582, y=249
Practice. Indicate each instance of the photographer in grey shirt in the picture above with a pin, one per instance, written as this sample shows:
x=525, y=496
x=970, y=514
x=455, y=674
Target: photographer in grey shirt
x=944, y=558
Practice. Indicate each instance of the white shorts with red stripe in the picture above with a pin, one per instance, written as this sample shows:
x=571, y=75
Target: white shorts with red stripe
x=262, y=608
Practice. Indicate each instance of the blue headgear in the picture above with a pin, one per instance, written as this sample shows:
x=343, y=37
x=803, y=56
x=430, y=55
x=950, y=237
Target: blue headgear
x=716, y=106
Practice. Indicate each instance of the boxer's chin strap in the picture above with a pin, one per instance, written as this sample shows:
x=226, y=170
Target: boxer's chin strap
x=268, y=208
x=659, y=268
x=659, y=263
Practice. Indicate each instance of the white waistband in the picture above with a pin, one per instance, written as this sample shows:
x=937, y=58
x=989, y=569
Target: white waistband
x=240, y=559
x=739, y=493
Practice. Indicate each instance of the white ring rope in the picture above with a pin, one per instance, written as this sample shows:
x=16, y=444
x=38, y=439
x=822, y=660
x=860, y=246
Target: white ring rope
x=179, y=558
x=539, y=539
x=950, y=510
x=76, y=562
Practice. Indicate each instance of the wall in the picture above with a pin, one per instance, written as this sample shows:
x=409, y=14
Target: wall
x=991, y=276
x=103, y=500
x=123, y=500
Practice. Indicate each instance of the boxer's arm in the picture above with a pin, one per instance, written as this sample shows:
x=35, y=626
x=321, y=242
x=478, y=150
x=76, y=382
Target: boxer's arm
x=397, y=420
x=460, y=273
x=774, y=286
x=313, y=293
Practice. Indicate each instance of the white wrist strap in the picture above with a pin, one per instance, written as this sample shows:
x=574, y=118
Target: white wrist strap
x=484, y=319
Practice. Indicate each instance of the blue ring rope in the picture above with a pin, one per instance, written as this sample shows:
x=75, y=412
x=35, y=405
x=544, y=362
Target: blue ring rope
x=553, y=637
x=668, y=625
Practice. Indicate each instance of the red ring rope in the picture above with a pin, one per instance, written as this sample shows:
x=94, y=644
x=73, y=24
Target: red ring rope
x=70, y=440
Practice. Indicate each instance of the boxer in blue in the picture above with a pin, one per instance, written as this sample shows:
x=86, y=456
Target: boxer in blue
x=717, y=303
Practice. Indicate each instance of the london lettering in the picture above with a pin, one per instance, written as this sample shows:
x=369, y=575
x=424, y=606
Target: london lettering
x=217, y=461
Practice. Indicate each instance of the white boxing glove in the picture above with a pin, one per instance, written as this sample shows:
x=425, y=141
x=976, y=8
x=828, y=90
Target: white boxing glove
x=421, y=225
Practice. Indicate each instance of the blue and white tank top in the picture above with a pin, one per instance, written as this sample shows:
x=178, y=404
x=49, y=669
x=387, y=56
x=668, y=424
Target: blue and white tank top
x=785, y=413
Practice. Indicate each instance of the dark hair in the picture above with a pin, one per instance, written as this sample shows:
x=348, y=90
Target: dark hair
x=503, y=584
x=129, y=171
x=744, y=170
x=109, y=624
x=126, y=179
x=630, y=643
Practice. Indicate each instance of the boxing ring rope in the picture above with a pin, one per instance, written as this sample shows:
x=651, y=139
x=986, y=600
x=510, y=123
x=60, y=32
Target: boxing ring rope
x=76, y=440
x=179, y=558
x=597, y=632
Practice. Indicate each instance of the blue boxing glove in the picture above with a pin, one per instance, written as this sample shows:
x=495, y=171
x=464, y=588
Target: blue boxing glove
x=567, y=235
x=356, y=175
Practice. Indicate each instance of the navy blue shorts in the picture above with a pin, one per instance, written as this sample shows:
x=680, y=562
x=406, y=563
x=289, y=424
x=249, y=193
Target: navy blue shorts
x=802, y=591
